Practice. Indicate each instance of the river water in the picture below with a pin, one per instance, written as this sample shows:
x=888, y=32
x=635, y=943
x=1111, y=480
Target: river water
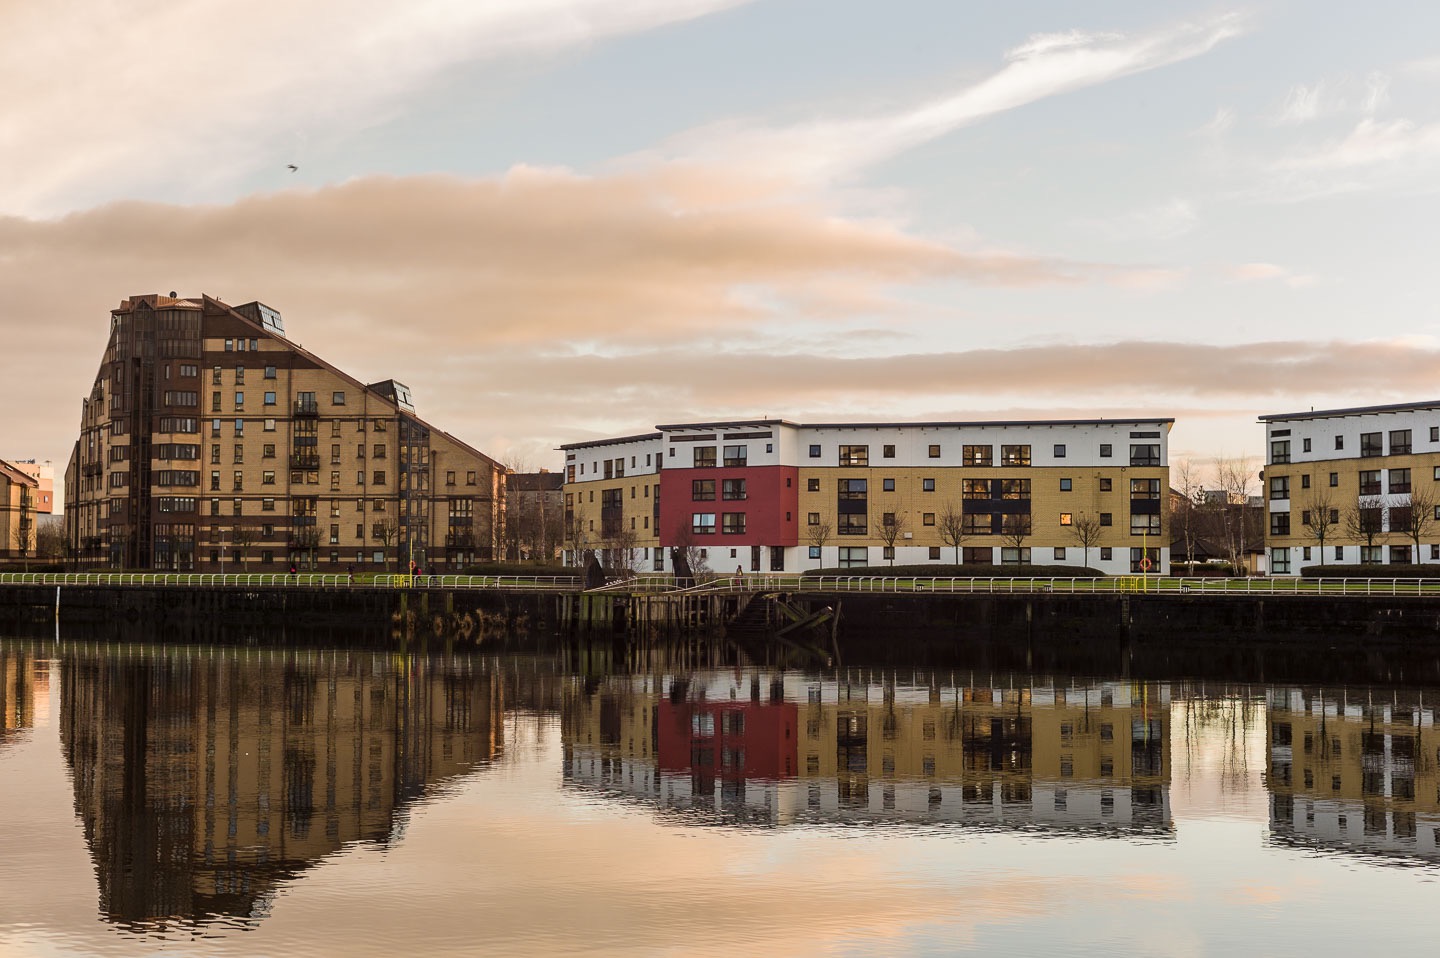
x=205, y=800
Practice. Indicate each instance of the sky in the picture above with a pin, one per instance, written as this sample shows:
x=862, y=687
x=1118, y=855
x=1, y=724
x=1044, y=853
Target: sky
x=559, y=220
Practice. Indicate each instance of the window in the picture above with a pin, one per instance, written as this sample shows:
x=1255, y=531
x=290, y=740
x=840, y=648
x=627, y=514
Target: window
x=239, y=375
x=269, y=372
x=1305, y=481
x=934, y=552
x=851, y=524
x=267, y=478
x=1399, y=480
x=337, y=398
x=736, y=455
x=1279, y=487
x=814, y=552
x=1014, y=488
x=1370, y=445
x=975, y=488
x=239, y=400
x=927, y=518
x=812, y=518
x=1371, y=555
x=1064, y=485
x=887, y=485
x=854, y=455
x=1105, y=452
x=733, y=489
x=1144, y=488
x=239, y=427
x=1279, y=523
x=702, y=490
x=887, y=552
x=888, y=452
x=1370, y=482
x=470, y=478
x=1067, y=519
x=269, y=425
x=1107, y=519
x=927, y=485
x=977, y=525
x=1400, y=555
x=851, y=488
x=814, y=452
x=812, y=485
x=934, y=452
x=1145, y=455
x=229, y=345
x=704, y=457
x=1280, y=451
x=1105, y=554
x=854, y=557
x=977, y=455
x=1144, y=525
x=215, y=379
x=379, y=479
x=733, y=523
x=977, y=555
x=239, y=480
x=1335, y=478
x=1059, y=450
x=1105, y=485
x=702, y=523
x=1399, y=442
x=1009, y=555
x=887, y=519
x=1280, y=561
x=1059, y=553
x=1305, y=445
x=1014, y=455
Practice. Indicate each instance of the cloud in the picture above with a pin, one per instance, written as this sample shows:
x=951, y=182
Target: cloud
x=1302, y=104
x=824, y=151
x=1165, y=220
x=1248, y=272
x=104, y=100
x=1346, y=94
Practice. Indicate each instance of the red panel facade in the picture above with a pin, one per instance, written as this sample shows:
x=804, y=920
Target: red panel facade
x=749, y=740
x=771, y=506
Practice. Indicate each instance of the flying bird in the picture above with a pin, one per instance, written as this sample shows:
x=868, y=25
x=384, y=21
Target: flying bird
x=292, y=167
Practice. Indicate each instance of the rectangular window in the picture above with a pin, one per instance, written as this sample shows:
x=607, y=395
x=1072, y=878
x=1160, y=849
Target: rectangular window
x=379, y=478
x=267, y=478
x=975, y=488
x=977, y=555
x=1144, y=488
x=812, y=485
x=977, y=525
x=1280, y=561
x=1280, y=451
x=1305, y=481
x=851, y=524
x=732, y=523
x=1399, y=480
x=1014, y=455
x=1105, y=554
x=1335, y=478
x=1147, y=525
x=1279, y=487
x=1059, y=553
x=1107, y=518
x=887, y=552
x=1371, y=445
x=854, y=557
x=927, y=518
x=1064, y=485
x=1399, y=442
x=704, y=457
x=1145, y=455
x=814, y=552
x=1370, y=482
x=1014, y=488
x=887, y=485
x=736, y=455
x=1067, y=519
x=934, y=552
x=270, y=399
x=1279, y=523
x=1339, y=442
x=470, y=478
x=1010, y=555
x=1400, y=555
x=927, y=485
x=1059, y=450
x=888, y=452
x=702, y=523
x=854, y=456
x=812, y=518
x=702, y=490
x=934, y=452
x=733, y=489
x=1371, y=555
x=851, y=488
x=1105, y=452
x=977, y=455
x=239, y=400
x=814, y=452
x=337, y=398
x=1305, y=444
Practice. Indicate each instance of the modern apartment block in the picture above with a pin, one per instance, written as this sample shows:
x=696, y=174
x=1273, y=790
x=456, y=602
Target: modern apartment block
x=18, y=509
x=771, y=495
x=1347, y=486
x=210, y=441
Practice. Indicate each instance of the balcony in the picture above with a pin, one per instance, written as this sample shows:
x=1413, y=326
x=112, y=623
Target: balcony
x=307, y=407
x=304, y=460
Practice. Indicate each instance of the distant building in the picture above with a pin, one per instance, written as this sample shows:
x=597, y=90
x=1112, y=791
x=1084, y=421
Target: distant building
x=534, y=514
x=209, y=441
x=771, y=495
x=44, y=475
x=18, y=524
x=1364, y=479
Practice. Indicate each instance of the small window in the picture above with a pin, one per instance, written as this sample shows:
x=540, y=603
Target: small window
x=1104, y=553
x=814, y=452
x=239, y=399
x=1339, y=442
x=1305, y=446
x=927, y=485
x=338, y=398
x=269, y=425
x=269, y=372
x=927, y=518
x=1105, y=452
x=269, y=399
x=888, y=452
x=1059, y=450
x=1059, y=553
x=812, y=485
x=934, y=552
x=814, y=552
x=934, y=452
x=1105, y=485
x=1066, y=519
x=1106, y=519
x=1335, y=478
x=1064, y=485
x=812, y=519
x=887, y=485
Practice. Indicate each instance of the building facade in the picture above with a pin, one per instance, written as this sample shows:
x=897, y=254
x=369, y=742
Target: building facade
x=1352, y=486
x=19, y=507
x=210, y=441
x=534, y=515
x=771, y=495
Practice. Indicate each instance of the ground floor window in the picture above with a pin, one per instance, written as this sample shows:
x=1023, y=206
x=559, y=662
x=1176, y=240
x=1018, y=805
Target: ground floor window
x=659, y=559
x=814, y=552
x=1371, y=555
x=1105, y=554
x=1013, y=556
x=1144, y=560
x=854, y=557
x=1059, y=553
x=887, y=552
x=934, y=552
x=1399, y=555
x=1280, y=561
x=777, y=558
x=979, y=555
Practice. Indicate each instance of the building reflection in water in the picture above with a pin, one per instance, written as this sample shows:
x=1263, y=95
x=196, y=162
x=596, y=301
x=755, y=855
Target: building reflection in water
x=21, y=681
x=1355, y=771
x=770, y=749
x=206, y=779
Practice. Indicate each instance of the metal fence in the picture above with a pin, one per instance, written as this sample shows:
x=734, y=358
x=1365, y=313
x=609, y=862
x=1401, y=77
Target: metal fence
x=299, y=580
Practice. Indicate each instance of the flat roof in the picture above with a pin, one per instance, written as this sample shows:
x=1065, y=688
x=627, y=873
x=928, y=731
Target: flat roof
x=609, y=442
x=1353, y=411
x=1115, y=421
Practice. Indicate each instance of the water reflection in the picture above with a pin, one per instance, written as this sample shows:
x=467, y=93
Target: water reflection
x=206, y=778
x=777, y=749
x=20, y=681
x=1355, y=771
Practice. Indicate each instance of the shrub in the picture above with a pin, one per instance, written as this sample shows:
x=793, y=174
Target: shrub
x=1371, y=571
x=967, y=571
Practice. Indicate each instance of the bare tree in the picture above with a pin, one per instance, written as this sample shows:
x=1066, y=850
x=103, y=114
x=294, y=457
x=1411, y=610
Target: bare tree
x=23, y=537
x=1321, y=520
x=50, y=543
x=952, y=528
x=892, y=529
x=1234, y=477
x=1415, y=519
x=1014, y=530
x=621, y=549
x=694, y=553
x=305, y=542
x=388, y=532
x=1185, y=478
x=243, y=537
x=1365, y=522
x=819, y=534
x=1086, y=530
